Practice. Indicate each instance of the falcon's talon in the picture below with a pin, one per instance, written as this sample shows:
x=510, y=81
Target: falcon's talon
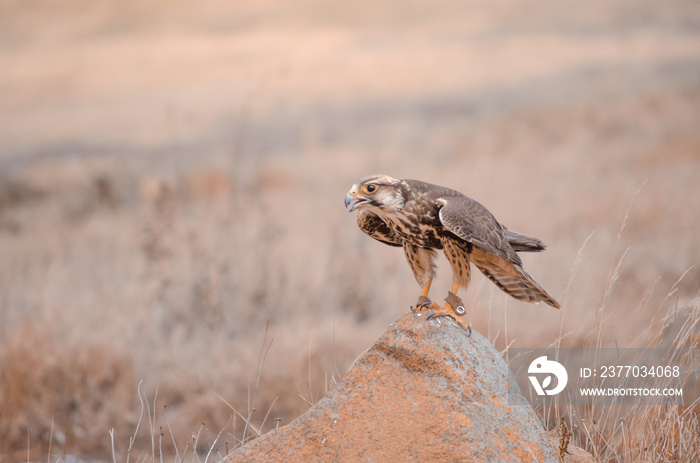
x=422, y=303
x=448, y=311
x=416, y=309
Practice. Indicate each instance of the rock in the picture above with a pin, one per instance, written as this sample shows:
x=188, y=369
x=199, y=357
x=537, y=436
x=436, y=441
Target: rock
x=578, y=455
x=423, y=392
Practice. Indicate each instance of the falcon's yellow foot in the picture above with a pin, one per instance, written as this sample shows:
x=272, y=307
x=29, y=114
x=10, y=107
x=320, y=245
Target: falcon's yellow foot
x=449, y=311
x=422, y=304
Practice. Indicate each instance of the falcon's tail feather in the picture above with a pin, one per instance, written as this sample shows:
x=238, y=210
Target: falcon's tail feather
x=524, y=243
x=520, y=285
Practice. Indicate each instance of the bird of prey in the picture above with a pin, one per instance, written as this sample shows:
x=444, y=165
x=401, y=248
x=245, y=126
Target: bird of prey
x=422, y=218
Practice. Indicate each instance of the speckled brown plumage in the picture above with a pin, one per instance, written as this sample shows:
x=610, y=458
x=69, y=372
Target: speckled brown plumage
x=422, y=218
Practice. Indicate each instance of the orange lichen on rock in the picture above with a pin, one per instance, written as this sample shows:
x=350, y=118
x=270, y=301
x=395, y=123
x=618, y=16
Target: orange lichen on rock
x=424, y=392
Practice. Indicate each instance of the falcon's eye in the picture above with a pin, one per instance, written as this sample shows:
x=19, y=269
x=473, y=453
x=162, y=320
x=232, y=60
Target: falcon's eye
x=371, y=188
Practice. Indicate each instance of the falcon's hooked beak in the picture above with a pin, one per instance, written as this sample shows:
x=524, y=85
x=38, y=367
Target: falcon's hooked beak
x=352, y=200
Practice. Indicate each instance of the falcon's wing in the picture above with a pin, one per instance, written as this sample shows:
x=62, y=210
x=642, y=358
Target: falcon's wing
x=370, y=223
x=473, y=223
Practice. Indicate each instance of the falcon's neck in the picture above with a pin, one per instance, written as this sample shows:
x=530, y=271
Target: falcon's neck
x=415, y=218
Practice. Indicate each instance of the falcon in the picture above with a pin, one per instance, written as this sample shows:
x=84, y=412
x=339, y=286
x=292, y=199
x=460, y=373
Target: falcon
x=423, y=218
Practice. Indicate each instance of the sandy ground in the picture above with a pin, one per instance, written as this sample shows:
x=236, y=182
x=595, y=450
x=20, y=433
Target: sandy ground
x=171, y=184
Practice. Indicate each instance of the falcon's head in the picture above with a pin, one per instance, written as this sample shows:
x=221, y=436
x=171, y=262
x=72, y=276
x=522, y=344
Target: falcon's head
x=377, y=192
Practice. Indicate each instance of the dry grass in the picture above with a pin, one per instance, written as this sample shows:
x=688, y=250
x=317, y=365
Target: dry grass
x=56, y=392
x=651, y=430
x=171, y=182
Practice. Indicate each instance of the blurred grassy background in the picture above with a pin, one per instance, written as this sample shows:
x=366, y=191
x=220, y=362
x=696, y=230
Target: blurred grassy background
x=172, y=177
